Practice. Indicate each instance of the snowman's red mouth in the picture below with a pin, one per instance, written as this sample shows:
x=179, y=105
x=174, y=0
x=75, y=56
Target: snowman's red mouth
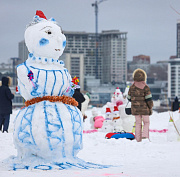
x=57, y=49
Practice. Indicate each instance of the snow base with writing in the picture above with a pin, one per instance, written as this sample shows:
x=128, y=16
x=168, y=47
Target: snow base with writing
x=123, y=157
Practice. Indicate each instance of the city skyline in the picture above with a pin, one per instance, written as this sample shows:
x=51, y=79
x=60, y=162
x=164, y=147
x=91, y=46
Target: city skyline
x=150, y=26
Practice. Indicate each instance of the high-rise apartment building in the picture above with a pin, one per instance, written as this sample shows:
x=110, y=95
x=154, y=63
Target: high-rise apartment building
x=84, y=43
x=112, y=53
x=178, y=39
x=174, y=78
x=113, y=56
x=23, y=51
x=174, y=70
x=75, y=64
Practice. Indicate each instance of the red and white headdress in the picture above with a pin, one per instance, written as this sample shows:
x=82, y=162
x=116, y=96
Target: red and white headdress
x=116, y=109
x=108, y=111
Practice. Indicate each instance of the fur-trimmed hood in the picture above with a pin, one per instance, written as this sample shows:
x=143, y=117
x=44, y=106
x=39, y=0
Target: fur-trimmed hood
x=139, y=75
x=7, y=81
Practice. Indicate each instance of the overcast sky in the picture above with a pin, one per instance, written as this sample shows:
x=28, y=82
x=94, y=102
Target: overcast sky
x=151, y=24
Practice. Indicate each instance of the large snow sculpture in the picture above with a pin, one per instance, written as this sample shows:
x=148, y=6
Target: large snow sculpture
x=50, y=126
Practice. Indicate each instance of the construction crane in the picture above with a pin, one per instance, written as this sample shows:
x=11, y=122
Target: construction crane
x=95, y=5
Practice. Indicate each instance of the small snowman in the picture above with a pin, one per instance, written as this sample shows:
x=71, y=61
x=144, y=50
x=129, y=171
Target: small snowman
x=94, y=114
x=107, y=124
x=117, y=121
x=125, y=94
x=96, y=119
x=117, y=98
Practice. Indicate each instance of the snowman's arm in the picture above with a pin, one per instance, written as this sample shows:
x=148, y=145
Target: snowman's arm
x=70, y=90
x=24, y=84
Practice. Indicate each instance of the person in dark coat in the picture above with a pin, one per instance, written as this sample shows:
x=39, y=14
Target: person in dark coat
x=5, y=103
x=175, y=104
x=78, y=96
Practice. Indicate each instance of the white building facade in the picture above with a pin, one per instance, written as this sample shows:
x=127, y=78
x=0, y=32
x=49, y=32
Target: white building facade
x=114, y=56
x=174, y=78
x=75, y=65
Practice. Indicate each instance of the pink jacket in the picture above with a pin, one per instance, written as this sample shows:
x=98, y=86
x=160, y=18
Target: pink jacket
x=98, y=121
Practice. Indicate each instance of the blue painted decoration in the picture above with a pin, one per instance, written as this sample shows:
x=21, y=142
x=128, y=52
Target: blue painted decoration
x=64, y=44
x=43, y=42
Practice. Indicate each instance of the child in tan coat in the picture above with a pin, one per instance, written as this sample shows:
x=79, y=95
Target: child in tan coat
x=141, y=103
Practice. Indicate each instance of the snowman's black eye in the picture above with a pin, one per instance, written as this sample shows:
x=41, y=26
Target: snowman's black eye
x=48, y=32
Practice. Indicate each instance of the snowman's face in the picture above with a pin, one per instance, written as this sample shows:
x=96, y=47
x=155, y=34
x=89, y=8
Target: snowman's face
x=108, y=115
x=116, y=114
x=45, y=39
x=117, y=122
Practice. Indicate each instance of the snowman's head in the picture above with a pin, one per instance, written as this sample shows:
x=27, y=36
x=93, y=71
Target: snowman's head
x=44, y=37
x=116, y=114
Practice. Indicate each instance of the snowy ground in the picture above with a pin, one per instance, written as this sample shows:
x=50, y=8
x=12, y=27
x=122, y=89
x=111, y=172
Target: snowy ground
x=158, y=158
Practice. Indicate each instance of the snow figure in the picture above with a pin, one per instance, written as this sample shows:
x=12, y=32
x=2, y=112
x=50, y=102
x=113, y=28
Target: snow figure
x=96, y=119
x=49, y=128
x=98, y=122
x=107, y=124
x=127, y=120
x=117, y=121
x=126, y=92
x=117, y=98
x=116, y=113
x=94, y=114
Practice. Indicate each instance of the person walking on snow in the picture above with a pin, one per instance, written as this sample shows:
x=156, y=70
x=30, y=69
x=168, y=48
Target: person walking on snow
x=5, y=103
x=175, y=104
x=141, y=104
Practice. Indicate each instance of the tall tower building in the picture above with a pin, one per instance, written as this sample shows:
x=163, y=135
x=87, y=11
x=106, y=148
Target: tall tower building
x=75, y=65
x=23, y=51
x=84, y=43
x=112, y=53
x=114, y=56
x=174, y=78
x=178, y=39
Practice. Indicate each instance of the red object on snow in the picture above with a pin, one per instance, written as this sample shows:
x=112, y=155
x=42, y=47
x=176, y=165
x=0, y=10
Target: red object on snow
x=90, y=131
x=40, y=14
x=159, y=131
x=108, y=135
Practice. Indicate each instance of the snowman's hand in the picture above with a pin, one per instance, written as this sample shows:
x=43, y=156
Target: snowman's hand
x=24, y=84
